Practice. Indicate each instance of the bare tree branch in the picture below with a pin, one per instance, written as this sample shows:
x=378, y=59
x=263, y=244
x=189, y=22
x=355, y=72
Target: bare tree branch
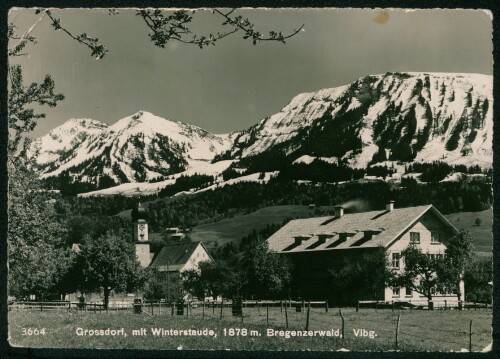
x=98, y=50
x=246, y=26
x=174, y=27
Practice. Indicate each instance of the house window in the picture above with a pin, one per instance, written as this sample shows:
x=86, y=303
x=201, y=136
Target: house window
x=414, y=237
x=395, y=260
x=435, y=237
x=395, y=291
x=409, y=292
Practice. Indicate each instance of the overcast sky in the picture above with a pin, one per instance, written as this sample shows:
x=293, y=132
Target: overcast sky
x=234, y=85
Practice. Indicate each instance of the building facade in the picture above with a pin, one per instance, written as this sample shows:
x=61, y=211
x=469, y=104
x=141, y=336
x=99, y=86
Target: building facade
x=318, y=246
x=174, y=257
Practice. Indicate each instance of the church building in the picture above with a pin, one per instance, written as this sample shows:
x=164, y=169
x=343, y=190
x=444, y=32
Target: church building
x=174, y=257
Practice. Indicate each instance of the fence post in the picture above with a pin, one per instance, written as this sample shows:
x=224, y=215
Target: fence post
x=392, y=306
x=326, y=306
x=267, y=313
x=445, y=304
x=203, y=313
x=308, y=310
x=41, y=306
x=470, y=336
x=397, y=330
x=281, y=306
x=357, y=307
x=173, y=308
x=221, y=306
x=341, y=316
x=159, y=308
x=69, y=307
x=258, y=307
x=286, y=315
x=95, y=308
x=213, y=308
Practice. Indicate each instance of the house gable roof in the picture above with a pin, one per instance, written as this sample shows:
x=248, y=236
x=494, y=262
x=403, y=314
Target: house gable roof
x=175, y=255
x=352, y=230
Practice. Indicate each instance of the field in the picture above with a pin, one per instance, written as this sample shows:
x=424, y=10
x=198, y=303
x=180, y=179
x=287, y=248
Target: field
x=482, y=234
x=419, y=330
x=234, y=228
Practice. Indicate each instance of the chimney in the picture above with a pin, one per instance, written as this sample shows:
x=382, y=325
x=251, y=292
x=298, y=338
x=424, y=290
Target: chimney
x=339, y=211
x=389, y=206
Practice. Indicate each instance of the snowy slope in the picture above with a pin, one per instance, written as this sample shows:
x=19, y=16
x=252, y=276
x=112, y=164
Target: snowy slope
x=136, y=148
x=390, y=118
x=433, y=116
x=136, y=188
x=59, y=143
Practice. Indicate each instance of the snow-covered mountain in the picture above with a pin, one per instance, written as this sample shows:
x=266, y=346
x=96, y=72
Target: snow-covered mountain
x=395, y=117
x=63, y=141
x=137, y=148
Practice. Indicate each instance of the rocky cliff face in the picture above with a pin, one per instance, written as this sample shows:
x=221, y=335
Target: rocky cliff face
x=137, y=148
x=393, y=117
x=404, y=117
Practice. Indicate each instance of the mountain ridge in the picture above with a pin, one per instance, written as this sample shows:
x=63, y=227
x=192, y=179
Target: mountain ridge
x=394, y=117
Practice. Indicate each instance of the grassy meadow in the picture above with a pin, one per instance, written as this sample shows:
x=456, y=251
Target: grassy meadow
x=483, y=237
x=419, y=330
x=234, y=228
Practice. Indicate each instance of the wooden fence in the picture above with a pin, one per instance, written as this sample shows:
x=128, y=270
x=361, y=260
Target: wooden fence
x=157, y=306
x=285, y=313
x=377, y=304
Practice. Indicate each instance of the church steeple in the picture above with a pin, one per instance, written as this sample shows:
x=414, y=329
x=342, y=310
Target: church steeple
x=140, y=235
x=139, y=219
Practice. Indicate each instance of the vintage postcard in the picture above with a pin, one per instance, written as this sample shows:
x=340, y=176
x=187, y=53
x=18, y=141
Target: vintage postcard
x=291, y=179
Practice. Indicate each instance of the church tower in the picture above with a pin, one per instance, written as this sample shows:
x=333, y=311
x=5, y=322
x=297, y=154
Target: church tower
x=140, y=235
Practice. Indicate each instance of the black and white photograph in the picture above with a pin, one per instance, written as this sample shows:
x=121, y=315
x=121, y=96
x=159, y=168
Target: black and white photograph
x=257, y=179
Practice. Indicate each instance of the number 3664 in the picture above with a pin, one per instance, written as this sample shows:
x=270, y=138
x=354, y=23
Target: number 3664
x=34, y=331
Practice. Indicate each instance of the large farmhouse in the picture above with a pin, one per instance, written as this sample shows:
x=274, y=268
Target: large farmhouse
x=317, y=246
